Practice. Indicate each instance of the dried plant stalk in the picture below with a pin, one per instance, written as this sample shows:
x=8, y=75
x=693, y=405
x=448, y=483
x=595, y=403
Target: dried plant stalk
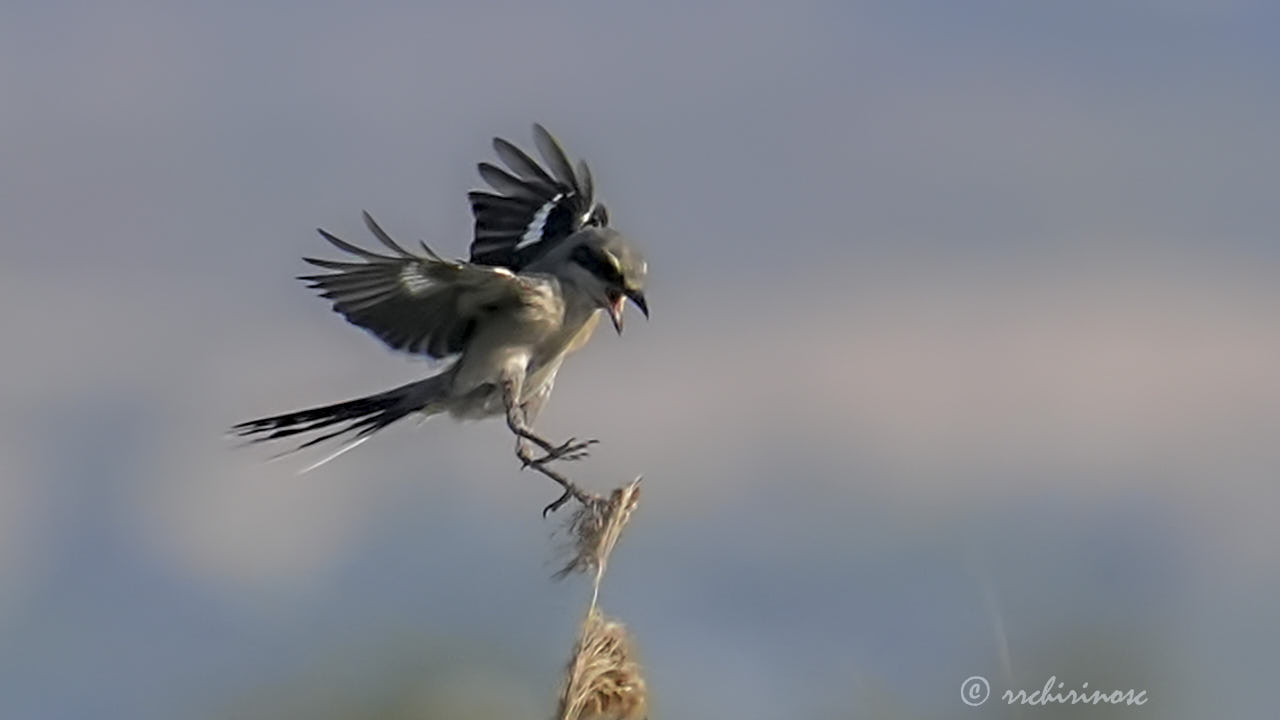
x=603, y=680
x=595, y=527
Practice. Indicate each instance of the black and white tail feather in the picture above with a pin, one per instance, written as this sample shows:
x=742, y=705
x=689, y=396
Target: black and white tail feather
x=533, y=208
x=360, y=418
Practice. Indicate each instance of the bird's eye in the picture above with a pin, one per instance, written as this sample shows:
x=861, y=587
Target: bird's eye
x=599, y=262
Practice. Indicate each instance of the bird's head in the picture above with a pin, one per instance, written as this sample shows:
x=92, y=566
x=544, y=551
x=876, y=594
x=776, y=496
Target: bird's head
x=610, y=270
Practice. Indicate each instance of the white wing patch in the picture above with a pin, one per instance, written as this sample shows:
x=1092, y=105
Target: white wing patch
x=413, y=281
x=539, y=221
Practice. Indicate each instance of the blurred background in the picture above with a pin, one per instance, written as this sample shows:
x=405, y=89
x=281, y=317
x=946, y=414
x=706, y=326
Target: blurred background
x=964, y=359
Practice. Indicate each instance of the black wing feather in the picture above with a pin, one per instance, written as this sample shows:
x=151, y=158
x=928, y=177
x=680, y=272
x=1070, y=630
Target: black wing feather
x=553, y=155
x=531, y=207
x=522, y=164
x=508, y=184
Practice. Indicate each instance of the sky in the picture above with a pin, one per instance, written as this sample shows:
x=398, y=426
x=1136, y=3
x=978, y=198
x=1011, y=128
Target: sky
x=963, y=357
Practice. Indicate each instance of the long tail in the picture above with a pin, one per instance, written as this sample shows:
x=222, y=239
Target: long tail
x=363, y=416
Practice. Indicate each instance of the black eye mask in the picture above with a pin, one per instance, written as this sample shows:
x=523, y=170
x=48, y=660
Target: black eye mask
x=593, y=262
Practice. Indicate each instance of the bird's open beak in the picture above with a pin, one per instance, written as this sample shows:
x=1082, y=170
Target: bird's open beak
x=637, y=297
x=619, y=303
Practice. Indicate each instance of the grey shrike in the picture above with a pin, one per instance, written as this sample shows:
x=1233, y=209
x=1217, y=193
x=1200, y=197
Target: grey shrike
x=544, y=264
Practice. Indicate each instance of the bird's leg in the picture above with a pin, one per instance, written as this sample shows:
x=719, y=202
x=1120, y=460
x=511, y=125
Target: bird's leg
x=516, y=421
x=532, y=405
x=571, y=490
x=571, y=449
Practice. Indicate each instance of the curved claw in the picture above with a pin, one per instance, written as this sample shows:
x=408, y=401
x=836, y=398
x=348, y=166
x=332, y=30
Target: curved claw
x=564, y=498
x=569, y=451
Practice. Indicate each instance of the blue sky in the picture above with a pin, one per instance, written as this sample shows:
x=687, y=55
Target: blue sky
x=951, y=302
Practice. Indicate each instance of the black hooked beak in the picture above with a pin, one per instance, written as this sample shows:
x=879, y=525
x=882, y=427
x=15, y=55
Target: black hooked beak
x=619, y=301
x=637, y=297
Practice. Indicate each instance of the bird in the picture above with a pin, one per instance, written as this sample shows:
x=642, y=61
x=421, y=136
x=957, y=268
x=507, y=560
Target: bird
x=544, y=266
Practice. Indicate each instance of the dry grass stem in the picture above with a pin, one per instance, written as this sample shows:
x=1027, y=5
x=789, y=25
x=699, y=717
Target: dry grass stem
x=603, y=681
x=594, y=529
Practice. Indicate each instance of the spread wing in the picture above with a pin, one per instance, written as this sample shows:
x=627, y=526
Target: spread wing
x=530, y=208
x=424, y=303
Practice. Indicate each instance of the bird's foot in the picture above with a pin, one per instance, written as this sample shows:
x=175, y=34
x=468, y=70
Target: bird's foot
x=568, y=451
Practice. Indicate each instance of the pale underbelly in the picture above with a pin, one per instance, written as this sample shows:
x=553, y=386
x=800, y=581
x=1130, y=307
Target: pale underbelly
x=485, y=400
